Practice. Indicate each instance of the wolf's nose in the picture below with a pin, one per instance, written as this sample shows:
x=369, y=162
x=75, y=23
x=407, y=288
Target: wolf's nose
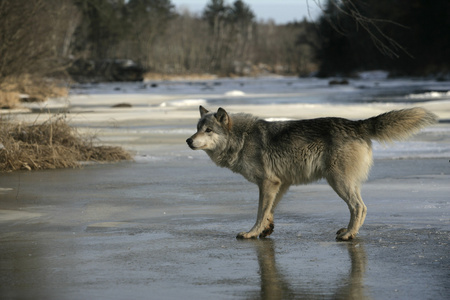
x=189, y=141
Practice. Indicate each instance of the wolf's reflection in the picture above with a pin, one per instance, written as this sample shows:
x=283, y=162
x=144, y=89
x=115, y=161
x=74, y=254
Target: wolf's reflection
x=275, y=286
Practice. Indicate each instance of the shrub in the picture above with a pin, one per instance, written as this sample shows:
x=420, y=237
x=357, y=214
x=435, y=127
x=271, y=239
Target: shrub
x=50, y=145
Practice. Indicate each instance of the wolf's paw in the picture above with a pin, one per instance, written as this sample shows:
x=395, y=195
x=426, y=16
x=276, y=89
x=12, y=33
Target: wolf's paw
x=341, y=231
x=246, y=235
x=267, y=231
x=344, y=235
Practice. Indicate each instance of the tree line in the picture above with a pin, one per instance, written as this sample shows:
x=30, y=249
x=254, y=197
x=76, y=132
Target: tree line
x=48, y=37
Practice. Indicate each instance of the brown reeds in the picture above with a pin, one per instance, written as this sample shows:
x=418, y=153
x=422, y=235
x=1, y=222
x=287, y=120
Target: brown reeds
x=50, y=145
x=25, y=88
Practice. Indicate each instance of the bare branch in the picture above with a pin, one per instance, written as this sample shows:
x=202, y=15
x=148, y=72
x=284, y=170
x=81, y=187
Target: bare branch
x=382, y=41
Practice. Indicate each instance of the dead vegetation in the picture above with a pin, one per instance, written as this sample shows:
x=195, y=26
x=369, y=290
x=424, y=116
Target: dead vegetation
x=188, y=76
x=25, y=88
x=50, y=145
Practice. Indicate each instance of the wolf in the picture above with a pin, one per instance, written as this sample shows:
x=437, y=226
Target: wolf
x=276, y=155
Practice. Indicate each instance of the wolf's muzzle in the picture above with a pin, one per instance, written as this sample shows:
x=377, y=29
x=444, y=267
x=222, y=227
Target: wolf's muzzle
x=190, y=142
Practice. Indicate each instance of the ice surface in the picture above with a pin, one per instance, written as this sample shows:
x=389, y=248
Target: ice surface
x=164, y=225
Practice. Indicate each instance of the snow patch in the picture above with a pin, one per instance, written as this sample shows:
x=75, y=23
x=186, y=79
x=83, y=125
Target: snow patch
x=235, y=93
x=277, y=119
x=374, y=75
x=429, y=95
x=183, y=102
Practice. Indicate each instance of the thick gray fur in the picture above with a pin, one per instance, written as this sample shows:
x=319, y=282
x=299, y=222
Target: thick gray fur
x=275, y=155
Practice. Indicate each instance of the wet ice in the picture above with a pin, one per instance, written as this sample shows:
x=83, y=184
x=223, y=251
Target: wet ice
x=165, y=224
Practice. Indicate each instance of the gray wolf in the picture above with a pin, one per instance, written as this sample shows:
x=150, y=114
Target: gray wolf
x=276, y=155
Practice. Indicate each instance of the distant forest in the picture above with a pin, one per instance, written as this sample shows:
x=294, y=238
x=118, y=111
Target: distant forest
x=57, y=37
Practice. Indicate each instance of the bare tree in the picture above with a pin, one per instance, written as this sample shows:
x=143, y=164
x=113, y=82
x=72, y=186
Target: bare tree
x=372, y=26
x=35, y=35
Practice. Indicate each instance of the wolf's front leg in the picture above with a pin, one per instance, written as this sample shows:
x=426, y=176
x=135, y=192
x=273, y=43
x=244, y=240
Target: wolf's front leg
x=263, y=227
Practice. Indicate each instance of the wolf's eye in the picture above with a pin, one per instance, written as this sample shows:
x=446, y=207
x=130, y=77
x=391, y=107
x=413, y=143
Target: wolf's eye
x=208, y=130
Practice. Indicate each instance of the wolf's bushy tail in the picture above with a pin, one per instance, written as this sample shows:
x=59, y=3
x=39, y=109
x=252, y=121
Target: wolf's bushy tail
x=398, y=124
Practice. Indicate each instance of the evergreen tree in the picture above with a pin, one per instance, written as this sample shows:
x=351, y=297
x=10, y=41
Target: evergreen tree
x=215, y=13
x=102, y=26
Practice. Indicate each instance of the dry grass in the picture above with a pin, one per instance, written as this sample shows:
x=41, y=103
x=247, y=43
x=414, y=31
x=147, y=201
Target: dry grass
x=160, y=76
x=9, y=99
x=35, y=89
x=51, y=145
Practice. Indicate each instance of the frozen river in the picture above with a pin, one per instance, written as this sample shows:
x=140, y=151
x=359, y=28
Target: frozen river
x=164, y=226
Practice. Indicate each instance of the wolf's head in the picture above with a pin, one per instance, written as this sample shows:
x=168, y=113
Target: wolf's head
x=212, y=131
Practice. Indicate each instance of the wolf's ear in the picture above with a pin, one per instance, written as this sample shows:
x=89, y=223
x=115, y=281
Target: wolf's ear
x=203, y=111
x=223, y=117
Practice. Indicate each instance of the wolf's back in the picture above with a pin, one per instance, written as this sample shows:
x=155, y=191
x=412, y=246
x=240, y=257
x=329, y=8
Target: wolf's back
x=398, y=124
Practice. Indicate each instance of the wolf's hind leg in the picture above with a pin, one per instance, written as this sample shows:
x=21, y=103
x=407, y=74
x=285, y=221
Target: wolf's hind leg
x=356, y=206
x=270, y=193
x=348, y=168
x=358, y=211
